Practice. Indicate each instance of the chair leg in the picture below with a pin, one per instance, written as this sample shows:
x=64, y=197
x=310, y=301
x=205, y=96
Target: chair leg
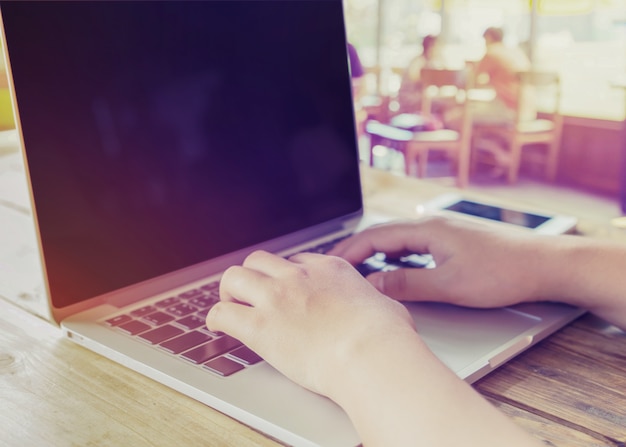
x=408, y=164
x=516, y=156
x=463, y=166
x=422, y=163
x=411, y=155
x=475, y=148
x=373, y=143
x=552, y=161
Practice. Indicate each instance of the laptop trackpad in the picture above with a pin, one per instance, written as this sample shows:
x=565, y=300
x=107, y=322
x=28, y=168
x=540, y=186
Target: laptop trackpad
x=461, y=336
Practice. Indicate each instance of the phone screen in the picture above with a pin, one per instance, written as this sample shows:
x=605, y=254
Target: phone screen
x=520, y=218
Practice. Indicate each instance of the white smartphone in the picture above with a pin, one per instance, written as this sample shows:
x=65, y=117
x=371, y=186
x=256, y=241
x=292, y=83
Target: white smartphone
x=456, y=205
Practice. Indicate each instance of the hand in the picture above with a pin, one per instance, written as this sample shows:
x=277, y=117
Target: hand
x=306, y=316
x=476, y=265
x=318, y=321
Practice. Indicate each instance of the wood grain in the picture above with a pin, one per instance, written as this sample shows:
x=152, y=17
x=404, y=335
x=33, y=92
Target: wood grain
x=576, y=378
x=567, y=391
x=56, y=393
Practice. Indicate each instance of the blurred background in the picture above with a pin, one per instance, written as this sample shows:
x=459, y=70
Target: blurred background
x=583, y=40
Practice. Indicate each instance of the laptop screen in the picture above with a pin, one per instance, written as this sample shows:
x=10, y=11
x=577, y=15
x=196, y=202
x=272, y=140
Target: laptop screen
x=161, y=134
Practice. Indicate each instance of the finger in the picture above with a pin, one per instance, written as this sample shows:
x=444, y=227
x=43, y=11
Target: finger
x=243, y=285
x=410, y=284
x=391, y=239
x=234, y=319
x=267, y=263
x=304, y=257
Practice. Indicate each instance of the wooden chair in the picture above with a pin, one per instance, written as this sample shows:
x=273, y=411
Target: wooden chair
x=416, y=143
x=542, y=91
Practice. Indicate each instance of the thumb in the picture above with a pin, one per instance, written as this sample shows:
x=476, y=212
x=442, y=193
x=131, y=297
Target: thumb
x=408, y=284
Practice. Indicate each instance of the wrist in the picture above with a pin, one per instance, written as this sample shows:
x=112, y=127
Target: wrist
x=564, y=269
x=545, y=267
x=365, y=365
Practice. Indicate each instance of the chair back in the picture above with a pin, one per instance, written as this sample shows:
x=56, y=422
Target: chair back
x=441, y=77
x=540, y=94
x=449, y=89
x=450, y=84
x=538, y=123
x=442, y=84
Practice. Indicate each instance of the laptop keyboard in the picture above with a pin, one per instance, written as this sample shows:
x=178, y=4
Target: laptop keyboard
x=176, y=324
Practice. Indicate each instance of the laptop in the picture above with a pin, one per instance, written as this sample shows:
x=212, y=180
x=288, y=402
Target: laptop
x=166, y=140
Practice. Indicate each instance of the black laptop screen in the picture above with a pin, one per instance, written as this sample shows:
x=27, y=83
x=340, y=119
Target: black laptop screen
x=163, y=134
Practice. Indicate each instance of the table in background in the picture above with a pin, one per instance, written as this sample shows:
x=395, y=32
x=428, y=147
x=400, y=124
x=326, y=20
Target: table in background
x=568, y=390
x=620, y=83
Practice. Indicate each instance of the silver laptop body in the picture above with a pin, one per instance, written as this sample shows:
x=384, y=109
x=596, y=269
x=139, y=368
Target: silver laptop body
x=165, y=141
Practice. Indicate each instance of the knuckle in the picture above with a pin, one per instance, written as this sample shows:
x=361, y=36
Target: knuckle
x=228, y=276
x=338, y=265
x=254, y=256
x=299, y=271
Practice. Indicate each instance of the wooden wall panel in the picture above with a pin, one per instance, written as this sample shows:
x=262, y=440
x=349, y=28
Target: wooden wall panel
x=592, y=154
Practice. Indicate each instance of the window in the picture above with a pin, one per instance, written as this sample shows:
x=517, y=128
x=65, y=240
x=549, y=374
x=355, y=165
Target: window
x=584, y=40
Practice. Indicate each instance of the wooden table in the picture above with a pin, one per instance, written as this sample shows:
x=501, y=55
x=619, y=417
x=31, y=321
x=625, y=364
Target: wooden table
x=568, y=390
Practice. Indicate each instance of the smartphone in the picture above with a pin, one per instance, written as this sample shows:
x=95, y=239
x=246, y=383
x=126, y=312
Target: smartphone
x=512, y=217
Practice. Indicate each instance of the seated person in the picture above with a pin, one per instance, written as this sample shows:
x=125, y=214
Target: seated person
x=356, y=72
x=327, y=328
x=499, y=67
x=410, y=87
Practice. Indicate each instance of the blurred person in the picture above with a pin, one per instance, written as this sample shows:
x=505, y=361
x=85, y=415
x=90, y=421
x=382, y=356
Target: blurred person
x=409, y=94
x=498, y=69
x=356, y=71
x=357, y=76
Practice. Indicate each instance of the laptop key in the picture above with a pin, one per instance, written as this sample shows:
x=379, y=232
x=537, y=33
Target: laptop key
x=370, y=265
x=223, y=366
x=190, y=294
x=245, y=355
x=185, y=342
x=145, y=310
x=134, y=327
x=158, y=318
x=211, y=286
x=156, y=336
x=411, y=261
x=211, y=349
x=202, y=313
x=182, y=309
x=191, y=322
x=120, y=319
x=167, y=302
x=203, y=302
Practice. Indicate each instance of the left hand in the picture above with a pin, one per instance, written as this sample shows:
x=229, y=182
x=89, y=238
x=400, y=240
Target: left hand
x=306, y=316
